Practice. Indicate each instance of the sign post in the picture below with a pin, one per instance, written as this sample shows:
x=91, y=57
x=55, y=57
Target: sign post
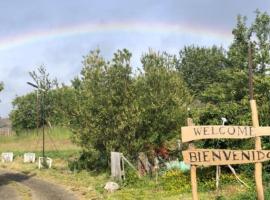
x=208, y=157
x=258, y=165
x=255, y=122
x=214, y=157
x=193, y=172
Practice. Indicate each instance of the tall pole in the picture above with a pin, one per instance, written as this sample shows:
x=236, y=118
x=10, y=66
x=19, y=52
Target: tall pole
x=37, y=110
x=250, y=74
x=43, y=117
x=255, y=122
x=43, y=128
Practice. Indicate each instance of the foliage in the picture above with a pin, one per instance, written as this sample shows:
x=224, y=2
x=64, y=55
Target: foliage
x=261, y=31
x=44, y=85
x=27, y=109
x=118, y=111
x=200, y=66
x=48, y=104
x=24, y=115
x=1, y=86
x=162, y=99
x=42, y=79
x=238, y=51
x=106, y=116
x=132, y=179
x=175, y=180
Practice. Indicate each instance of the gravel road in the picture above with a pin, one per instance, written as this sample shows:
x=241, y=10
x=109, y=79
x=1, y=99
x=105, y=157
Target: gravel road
x=17, y=186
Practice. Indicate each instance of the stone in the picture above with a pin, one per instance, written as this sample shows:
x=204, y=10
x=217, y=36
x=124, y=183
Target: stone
x=47, y=160
x=7, y=157
x=111, y=186
x=29, y=157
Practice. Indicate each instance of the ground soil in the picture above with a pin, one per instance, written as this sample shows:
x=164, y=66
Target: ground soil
x=18, y=186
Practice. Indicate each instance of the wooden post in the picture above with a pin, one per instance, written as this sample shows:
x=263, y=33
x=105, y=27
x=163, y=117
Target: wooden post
x=193, y=173
x=258, y=166
x=255, y=122
x=143, y=164
x=116, y=170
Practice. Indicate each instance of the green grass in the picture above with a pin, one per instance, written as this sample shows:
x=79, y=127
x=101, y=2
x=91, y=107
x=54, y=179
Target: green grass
x=149, y=189
x=89, y=185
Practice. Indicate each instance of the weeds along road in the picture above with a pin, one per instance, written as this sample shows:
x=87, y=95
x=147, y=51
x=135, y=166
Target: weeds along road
x=18, y=186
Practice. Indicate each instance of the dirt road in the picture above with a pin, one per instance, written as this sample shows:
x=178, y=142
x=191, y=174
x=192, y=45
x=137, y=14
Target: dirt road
x=17, y=186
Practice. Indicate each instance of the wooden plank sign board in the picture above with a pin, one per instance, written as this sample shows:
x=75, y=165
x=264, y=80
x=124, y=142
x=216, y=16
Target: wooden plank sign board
x=190, y=133
x=207, y=157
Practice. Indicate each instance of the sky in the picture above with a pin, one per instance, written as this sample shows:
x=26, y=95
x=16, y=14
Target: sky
x=59, y=33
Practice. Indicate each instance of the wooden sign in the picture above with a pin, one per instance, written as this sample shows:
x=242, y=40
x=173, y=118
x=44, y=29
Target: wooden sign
x=190, y=133
x=208, y=157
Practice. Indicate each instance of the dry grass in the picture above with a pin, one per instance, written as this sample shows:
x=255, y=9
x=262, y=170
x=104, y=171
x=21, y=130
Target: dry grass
x=55, y=139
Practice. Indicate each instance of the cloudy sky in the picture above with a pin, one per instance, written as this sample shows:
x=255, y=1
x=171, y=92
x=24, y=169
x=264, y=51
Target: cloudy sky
x=59, y=33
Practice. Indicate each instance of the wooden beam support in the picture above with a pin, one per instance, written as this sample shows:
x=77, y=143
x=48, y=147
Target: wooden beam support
x=193, y=170
x=258, y=146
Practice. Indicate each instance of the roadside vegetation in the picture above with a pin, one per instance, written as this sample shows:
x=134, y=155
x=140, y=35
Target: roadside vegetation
x=171, y=185
x=114, y=106
x=89, y=185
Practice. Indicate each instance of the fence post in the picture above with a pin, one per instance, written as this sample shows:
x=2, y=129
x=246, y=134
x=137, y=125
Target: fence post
x=116, y=165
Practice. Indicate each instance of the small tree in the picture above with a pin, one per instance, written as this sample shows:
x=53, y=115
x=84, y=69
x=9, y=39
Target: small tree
x=27, y=109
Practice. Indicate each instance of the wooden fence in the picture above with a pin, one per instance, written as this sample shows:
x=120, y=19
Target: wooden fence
x=6, y=131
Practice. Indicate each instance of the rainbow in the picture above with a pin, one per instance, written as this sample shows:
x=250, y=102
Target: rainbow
x=28, y=38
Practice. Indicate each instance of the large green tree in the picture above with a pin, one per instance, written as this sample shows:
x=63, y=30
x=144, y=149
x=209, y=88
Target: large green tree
x=121, y=111
x=238, y=50
x=260, y=33
x=163, y=100
x=106, y=115
x=229, y=96
x=200, y=66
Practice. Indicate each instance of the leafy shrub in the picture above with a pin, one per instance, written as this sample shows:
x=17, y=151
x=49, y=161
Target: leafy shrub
x=117, y=110
x=88, y=160
x=249, y=195
x=175, y=180
x=132, y=178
